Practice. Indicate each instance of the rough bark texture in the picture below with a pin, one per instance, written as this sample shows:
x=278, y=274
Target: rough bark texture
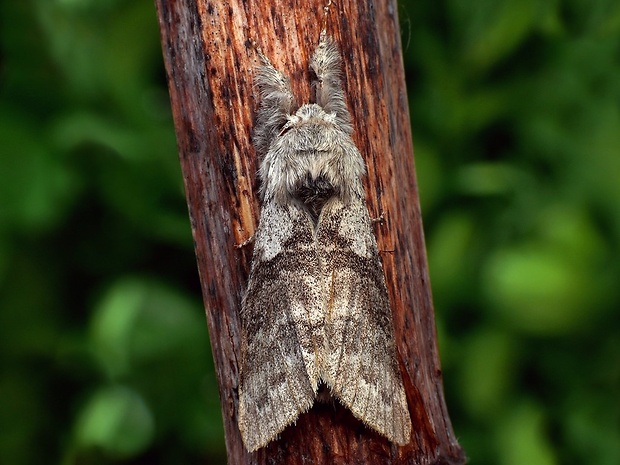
x=210, y=65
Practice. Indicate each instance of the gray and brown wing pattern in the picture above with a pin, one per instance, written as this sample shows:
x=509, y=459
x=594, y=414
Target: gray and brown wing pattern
x=361, y=360
x=282, y=326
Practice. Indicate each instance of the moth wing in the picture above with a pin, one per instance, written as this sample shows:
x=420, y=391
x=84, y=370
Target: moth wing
x=281, y=323
x=361, y=356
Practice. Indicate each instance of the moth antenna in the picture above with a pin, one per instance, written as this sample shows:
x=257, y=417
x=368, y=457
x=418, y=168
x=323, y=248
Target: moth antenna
x=276, y=102
x=324, y=23
x=327, y=66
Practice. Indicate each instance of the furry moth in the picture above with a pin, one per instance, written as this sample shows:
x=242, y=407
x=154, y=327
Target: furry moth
x=316, y=312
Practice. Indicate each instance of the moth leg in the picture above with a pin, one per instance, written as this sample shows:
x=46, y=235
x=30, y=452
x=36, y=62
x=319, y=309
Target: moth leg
x=380, y=219
x=276, y=102
x=326, y=64
x=245, y=243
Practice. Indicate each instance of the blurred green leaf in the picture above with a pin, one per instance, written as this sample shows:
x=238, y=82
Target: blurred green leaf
x=523, y=437
x=451, y=251
x=539, y=291
x=117, y=420
x=555, y=283
x=36, y=186
x=429, y=175
x=490, y=29
x=138, y=320
x=593, y=425
x=488, y=179
x=487, y=369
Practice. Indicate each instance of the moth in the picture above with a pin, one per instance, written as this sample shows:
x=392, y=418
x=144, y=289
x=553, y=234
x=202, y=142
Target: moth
x=316, y=315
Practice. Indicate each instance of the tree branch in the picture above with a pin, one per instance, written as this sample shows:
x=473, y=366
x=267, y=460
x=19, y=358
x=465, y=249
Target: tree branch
x=210, y=65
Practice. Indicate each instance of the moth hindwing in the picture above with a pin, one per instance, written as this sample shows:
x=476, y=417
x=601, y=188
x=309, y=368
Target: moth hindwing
x=316, y=311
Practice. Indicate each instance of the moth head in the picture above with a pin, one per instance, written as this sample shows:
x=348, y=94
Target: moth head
x=307, y=115
x=311, y=160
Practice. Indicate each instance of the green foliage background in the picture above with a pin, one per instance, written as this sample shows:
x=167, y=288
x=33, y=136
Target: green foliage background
x=516, y=118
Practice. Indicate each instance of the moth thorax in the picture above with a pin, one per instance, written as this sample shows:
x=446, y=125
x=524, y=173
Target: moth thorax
x=313, y=192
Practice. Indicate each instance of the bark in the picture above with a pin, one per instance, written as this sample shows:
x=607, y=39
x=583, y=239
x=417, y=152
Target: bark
x=210, y=63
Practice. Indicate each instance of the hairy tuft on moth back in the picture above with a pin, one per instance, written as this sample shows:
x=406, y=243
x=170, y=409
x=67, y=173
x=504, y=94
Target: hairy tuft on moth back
x=316, y=310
